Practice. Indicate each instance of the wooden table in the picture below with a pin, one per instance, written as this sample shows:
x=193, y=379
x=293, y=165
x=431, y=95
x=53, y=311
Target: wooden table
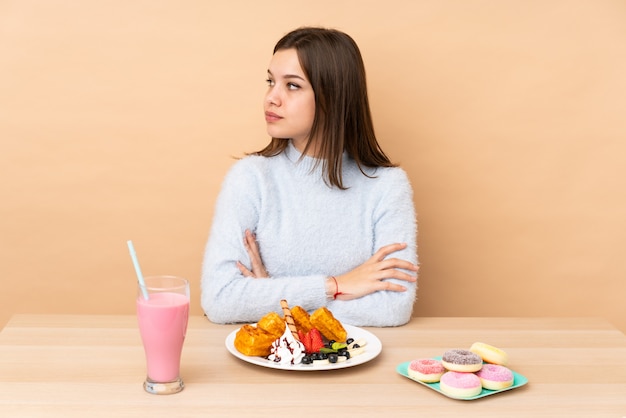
x=90, y=366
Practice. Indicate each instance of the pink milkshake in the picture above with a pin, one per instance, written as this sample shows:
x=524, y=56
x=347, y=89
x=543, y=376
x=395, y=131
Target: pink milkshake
x=163, y=323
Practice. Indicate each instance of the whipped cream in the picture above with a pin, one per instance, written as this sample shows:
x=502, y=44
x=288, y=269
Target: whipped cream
x=286, y=349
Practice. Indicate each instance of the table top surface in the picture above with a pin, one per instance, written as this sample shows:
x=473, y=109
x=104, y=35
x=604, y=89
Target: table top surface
x=87, y=365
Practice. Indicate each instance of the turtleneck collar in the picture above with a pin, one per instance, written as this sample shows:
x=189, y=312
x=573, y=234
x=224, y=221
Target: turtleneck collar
x=307, y=164
x=296, y=157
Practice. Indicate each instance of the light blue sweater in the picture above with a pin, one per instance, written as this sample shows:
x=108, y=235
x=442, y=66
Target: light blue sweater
x=306, y=231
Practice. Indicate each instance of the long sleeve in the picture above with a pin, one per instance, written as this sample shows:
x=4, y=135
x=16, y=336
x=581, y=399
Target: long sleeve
x=306, y=231
x=394, y=221
x=228, y=296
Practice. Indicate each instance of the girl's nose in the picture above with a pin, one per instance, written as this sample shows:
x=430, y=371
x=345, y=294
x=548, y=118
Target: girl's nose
x=273, y=98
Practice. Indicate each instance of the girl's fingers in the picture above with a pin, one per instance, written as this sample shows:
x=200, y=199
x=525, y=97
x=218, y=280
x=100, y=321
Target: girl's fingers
x=258, y=268
x=388, y=249
x=244, y=270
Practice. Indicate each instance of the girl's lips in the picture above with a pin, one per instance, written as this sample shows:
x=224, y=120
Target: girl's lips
x=271, y=117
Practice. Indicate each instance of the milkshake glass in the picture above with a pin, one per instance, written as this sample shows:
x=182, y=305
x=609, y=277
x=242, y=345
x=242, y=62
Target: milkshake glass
x=162, y=321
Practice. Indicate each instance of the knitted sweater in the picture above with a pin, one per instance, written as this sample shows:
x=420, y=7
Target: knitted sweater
x=306, y=231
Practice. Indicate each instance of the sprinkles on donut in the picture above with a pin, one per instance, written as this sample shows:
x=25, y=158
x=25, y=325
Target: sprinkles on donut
x=426, y=370
x=460, y=360
x=460, y=385
x=495, y=377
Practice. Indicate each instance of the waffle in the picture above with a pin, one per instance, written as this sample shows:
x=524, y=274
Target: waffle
x=301, y=319
x=256, y=340
x=328, y=325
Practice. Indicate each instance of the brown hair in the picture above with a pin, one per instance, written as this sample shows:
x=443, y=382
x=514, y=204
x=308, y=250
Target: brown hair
x=333, y=64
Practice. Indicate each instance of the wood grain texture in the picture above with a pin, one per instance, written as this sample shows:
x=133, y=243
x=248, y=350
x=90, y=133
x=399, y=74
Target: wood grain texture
x=88, y=365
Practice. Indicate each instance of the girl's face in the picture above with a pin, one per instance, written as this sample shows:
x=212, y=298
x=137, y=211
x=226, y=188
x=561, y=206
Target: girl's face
x=290, y=101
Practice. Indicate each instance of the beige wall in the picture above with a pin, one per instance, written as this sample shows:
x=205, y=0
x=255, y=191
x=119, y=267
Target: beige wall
x=118, y=120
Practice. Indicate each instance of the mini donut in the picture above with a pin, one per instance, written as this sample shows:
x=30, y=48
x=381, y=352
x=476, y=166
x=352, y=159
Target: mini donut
x=495, y=377
x=460, y=385
x=426, y=370
x=459, y=360
x=490, y=354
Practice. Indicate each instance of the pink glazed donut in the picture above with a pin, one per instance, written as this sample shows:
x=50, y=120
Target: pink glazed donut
x=426, y=370
x=460, y=385
x=495, y=377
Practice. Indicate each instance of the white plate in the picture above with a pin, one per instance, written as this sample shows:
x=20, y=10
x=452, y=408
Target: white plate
x=372, y=349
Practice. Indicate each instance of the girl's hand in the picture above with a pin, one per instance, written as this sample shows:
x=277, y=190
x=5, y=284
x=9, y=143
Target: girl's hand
x=369, y=276
x=258, y=269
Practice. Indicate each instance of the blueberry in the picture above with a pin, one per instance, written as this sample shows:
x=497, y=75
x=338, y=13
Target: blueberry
x=307, y=360
x=349, y=341
x=332, y=358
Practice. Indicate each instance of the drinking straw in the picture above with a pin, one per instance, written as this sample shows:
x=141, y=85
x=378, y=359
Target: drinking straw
x=142, y=284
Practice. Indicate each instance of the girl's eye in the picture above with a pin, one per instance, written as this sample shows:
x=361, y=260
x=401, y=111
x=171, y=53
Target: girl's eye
x=292, y=86
x=270, y=82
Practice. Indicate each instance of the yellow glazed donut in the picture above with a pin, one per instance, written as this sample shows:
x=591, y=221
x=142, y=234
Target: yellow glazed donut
x=490, y=354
